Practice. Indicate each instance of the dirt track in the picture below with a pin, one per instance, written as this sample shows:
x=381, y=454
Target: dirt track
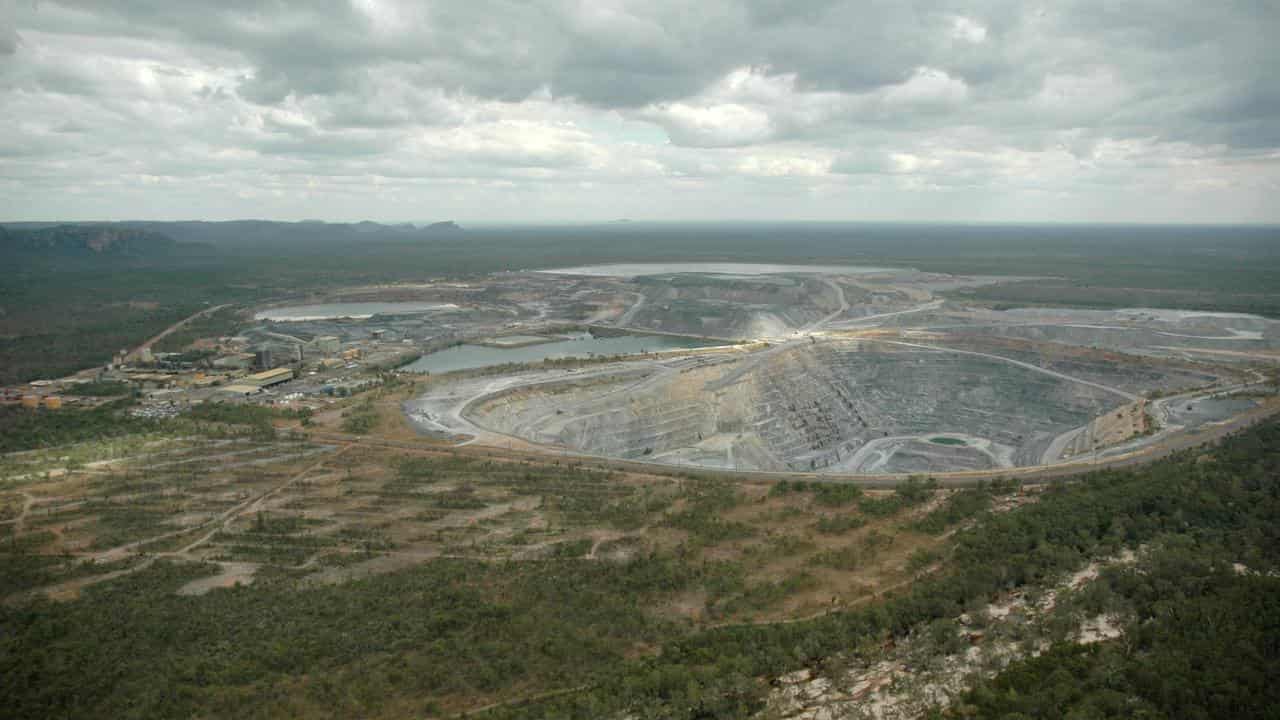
x=134, y=353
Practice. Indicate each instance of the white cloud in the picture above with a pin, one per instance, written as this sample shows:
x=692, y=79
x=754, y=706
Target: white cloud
x=780, y=166
x=968, y=30
x=719, y=125
x=929, y=87
x=384, y=16
x=512, y=143
x=748, y=106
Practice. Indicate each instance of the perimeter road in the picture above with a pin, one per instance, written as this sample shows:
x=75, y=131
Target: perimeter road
x=1028, y=475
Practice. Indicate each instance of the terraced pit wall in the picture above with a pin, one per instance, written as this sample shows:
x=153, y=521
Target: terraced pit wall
x=809, y=407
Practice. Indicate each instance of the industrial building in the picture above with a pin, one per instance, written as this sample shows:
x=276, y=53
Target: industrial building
x=33, y=402
x=327, y=344
x=267, y=378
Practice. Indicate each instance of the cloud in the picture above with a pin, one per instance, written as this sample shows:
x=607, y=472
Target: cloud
x=778, y=166
x=864, y=162
x=747, y=106
x=968, y=30
x=1075, y=95
x=1115, y=104
x=710, y=126
x=928, y=87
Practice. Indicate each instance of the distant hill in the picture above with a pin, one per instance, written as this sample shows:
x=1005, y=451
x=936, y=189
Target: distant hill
x=268, y=235
x=370, y=227
x=86, y=241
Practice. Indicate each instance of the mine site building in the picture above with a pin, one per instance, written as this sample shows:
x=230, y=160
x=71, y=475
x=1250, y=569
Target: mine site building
x=267, y=378
x=327, y=344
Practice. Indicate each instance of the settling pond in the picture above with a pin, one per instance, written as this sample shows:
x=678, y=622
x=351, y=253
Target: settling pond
x=578, y=345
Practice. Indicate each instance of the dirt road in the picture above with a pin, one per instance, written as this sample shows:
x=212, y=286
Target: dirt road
x=822, y=322
x=1035, y=368
x=133, y=354
x=20, y=522
x=498, y=446
x=858, y=322
x=630, y=314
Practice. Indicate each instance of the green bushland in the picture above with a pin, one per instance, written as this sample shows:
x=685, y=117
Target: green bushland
x=909, y=493
x=407, y=642
x=702, y=517
x=839, y=524
x=20, y=570
x=913, y=491
x=64, y=336
x=445, y=628
x=778, y=545
x=1087, y=293
x=961, y=505
x=922, y=558
x=852, y=557
x=825, y=494
x=120, y=522
x=360, y=419
x=1224, y=500
x=571, y=548
x=99, y=388
x=257, y=418
x=1201, y=642
x=764, y=595
x=219, y=323
x=23, y=429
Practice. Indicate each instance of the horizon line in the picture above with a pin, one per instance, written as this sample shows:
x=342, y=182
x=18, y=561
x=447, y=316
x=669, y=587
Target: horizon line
x=620, y=222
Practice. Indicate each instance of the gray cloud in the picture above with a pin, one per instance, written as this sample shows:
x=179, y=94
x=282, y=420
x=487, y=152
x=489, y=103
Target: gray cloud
x=818, y=99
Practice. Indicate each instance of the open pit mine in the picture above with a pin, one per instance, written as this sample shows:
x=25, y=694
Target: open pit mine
x=845, y=371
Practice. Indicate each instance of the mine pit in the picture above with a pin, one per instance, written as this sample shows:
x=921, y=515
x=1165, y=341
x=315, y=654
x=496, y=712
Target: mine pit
x=831, y=406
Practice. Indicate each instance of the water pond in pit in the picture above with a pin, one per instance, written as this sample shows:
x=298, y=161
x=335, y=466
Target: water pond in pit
x=354, y=310
x=578, y=345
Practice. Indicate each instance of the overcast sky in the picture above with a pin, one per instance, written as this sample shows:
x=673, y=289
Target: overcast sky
x=400, y=110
